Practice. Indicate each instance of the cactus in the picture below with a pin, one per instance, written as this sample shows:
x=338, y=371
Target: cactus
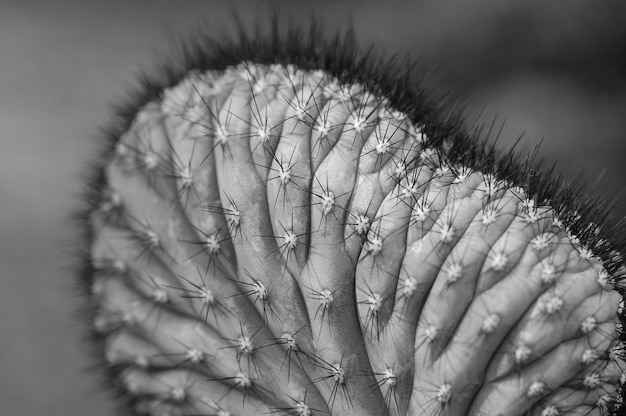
x=290, y=227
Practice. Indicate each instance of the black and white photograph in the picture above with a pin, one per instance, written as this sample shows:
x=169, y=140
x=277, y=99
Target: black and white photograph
x=312, y=208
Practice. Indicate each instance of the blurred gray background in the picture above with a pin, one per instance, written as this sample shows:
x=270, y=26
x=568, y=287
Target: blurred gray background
x=554, y=70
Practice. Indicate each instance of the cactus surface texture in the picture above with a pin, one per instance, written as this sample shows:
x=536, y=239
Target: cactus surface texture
x=287, y=227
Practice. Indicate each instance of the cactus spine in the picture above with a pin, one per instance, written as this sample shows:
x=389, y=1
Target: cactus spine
x=282, y=234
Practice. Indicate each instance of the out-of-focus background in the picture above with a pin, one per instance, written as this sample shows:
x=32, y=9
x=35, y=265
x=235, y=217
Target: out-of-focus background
x=553, y=70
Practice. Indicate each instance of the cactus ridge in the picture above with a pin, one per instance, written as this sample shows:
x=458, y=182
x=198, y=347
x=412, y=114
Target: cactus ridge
x=288, y=227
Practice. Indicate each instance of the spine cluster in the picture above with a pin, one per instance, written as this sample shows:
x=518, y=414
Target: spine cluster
x=271, y=240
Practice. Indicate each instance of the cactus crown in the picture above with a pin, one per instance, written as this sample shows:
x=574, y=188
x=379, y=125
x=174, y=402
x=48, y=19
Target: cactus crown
x=282, y=224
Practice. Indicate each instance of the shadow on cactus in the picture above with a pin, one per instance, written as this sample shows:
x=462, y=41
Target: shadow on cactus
x=285, y=225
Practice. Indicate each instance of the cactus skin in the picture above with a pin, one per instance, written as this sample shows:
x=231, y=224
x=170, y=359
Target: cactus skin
x=280, y=230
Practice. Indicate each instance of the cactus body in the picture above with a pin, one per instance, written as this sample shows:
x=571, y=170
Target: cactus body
x=273, y=238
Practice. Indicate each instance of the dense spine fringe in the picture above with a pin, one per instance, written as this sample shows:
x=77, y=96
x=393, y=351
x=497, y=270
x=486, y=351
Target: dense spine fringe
x=288, y=227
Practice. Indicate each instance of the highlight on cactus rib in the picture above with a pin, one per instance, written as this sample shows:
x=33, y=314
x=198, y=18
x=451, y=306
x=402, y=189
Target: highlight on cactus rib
x=284, y=225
